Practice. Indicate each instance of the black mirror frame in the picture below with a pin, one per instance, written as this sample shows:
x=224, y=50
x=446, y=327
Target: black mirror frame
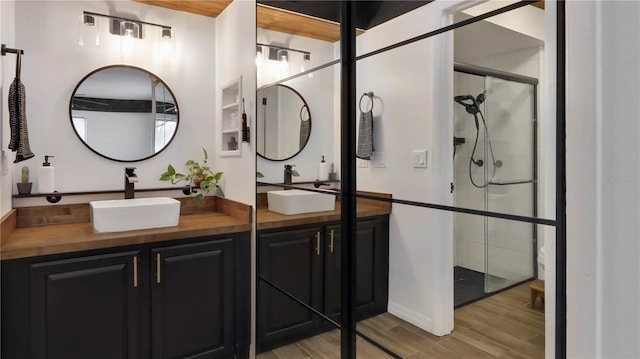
x=130, y=67
x=310, y=126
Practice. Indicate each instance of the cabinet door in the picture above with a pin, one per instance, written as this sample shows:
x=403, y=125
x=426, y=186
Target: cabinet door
x=86, y=307
x=193, y=300
x=292, y=260
x=372, y=268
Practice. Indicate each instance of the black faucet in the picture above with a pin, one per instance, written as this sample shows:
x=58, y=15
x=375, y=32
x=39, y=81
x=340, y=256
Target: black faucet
x=288, y=172
x=129, y=179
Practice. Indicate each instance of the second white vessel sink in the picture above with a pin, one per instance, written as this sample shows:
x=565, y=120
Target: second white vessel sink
x=297, y=201
x=133, y=214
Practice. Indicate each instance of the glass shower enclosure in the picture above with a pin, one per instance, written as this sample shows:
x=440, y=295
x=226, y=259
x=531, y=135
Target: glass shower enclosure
x=495, y=169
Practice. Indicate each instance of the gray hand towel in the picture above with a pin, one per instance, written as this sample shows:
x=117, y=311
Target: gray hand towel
x=305, y=130
x=18, y=118
x=365, y=136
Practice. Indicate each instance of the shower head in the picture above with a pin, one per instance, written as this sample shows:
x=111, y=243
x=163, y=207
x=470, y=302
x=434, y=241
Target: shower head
x=470, y=104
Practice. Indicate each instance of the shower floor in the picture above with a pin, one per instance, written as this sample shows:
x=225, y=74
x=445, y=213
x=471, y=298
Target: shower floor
x=468, y=286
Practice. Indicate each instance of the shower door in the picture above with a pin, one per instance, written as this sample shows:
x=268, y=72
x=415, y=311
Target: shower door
x=510, y=113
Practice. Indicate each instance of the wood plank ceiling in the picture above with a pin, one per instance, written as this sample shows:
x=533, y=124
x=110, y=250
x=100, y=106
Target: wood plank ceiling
x=267, y=17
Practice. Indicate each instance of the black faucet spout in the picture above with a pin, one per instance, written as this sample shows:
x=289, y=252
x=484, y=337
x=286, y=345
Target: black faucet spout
x=288, y=172
x=129, y=179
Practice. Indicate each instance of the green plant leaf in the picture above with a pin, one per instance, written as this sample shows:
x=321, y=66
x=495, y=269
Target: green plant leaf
x=191, y=162
x=219, y=192
x=170, y=170
x=165, y=176
x=217, y=176
x=206, y=155
x=199, y=197
x=259, y=174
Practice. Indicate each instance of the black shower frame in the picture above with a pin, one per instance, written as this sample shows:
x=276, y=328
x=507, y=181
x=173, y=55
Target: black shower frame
x=485, y=72
x=348, y=193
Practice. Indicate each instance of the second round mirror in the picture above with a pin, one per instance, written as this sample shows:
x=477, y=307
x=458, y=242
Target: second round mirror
x=283, y=123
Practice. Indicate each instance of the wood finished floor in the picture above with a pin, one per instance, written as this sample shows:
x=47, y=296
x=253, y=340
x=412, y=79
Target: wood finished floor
x=502, y=326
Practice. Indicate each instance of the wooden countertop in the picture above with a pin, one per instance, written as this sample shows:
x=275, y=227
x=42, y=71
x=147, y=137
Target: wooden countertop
x=364, y=208
x=22, y=238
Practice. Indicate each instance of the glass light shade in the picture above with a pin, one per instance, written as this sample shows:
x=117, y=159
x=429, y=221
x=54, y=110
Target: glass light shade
x=88, y=30
x=166, y=43
x=129, y=32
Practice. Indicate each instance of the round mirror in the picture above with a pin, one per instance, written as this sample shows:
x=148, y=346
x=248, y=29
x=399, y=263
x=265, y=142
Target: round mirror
x=124, y=113
x=283, y=123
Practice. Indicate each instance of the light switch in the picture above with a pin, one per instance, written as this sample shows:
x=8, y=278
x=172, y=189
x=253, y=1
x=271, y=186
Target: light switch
x=379, y=159
x=363, y=163
x=419, y=158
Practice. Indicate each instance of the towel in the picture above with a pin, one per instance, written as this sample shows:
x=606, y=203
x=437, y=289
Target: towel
x=305, y=130
x=18, y=118
x=365, y=136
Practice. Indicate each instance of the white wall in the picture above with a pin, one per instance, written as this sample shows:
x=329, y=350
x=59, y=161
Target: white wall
x=7, y=71
x=235, y=56
x=412, y=111
x=318, y=92
x=603, y=179
x=54, y=63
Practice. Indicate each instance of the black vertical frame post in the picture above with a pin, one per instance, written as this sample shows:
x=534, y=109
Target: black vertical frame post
x=561, y=188
x=348, y=182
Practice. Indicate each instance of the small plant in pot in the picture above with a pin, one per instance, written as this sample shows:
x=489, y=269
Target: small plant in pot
x=199, y=177
x=24, y=187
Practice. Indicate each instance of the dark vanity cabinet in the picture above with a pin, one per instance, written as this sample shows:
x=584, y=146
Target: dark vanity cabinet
x=188, y=318
x=85, y=307
x=304, y=261
x=177, y=299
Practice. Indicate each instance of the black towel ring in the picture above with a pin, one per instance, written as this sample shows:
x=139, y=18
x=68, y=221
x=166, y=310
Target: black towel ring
x=370, y=96
x=301, y=112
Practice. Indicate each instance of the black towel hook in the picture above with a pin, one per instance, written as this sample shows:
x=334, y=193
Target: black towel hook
x=370, y=96
x=5, y=50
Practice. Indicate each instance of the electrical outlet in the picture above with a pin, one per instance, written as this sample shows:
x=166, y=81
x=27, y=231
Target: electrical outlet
x=419, y=158
x=363, y=163
x=379, y=159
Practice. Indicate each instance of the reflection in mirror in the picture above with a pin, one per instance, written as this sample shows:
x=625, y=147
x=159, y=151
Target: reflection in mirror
x=284, y=123
x=125, y=103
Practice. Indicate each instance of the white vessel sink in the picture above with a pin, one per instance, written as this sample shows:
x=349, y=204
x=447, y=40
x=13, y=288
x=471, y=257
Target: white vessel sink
x=132, y=214
x=297, y=201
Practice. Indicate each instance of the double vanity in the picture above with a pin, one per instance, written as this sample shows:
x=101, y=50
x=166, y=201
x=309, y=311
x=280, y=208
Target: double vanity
x=182, y=291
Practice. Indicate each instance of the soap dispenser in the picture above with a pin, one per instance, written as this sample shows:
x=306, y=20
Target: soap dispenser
x=323, y=170
x=46, y=177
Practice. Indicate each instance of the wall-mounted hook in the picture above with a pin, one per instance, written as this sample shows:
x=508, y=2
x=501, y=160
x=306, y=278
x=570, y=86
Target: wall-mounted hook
x=4, y=50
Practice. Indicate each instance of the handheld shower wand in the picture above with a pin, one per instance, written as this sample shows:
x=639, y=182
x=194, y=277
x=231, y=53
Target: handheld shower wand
x=472, y=106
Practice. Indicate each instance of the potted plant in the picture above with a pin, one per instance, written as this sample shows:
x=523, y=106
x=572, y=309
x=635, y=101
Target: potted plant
x=24, y=187
x=199, y=176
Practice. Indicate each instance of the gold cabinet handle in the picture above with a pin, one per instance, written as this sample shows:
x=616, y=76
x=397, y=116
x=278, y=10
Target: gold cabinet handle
x=331, y=242
x=158, y=268
x=135, y=271
x=318, y=243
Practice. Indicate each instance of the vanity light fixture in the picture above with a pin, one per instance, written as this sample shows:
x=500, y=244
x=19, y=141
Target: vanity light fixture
x=129, y=29
x=279, y=53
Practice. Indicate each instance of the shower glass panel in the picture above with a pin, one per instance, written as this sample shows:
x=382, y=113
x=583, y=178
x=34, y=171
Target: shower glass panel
x=509, y=245
x=494, y=170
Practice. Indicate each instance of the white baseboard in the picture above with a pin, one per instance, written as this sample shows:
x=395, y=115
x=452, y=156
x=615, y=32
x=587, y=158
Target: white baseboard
x=411, y=316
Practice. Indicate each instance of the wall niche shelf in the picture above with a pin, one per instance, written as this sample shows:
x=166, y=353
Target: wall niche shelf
x=231, y=134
